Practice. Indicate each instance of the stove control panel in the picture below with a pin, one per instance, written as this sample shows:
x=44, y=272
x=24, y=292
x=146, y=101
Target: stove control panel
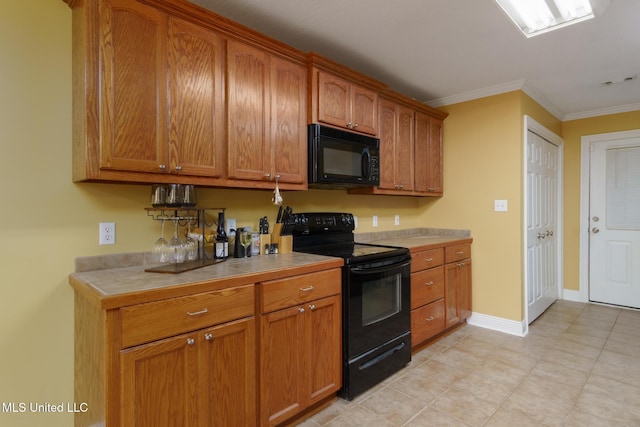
x=322, y=222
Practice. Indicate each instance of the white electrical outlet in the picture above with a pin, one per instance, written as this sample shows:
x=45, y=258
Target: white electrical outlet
x=229, y=225
x=375, y=220
x=396, y=220
x=107, y=233
x=500, y=205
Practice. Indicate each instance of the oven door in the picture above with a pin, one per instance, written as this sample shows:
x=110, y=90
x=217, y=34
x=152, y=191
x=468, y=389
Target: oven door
x=378, y=306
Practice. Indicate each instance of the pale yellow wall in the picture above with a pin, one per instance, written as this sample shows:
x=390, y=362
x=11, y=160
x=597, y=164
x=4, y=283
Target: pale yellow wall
x=572, y=132
x=46, y=221
x=483, y=162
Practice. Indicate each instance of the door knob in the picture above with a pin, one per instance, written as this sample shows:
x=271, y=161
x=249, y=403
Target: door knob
x=596, y=219
x=595, y=230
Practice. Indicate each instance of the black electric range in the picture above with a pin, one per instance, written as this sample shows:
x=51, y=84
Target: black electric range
x=376, y=286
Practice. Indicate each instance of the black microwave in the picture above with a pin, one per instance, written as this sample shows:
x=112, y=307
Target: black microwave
x=342, y=159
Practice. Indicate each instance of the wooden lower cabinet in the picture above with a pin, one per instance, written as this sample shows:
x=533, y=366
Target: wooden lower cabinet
x=300, y=344
x=300, y=355
x=204, y=378
x=440, y=290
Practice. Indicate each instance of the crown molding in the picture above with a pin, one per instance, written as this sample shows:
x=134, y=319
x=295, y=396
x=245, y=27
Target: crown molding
x=522, y=85
x=602, y=112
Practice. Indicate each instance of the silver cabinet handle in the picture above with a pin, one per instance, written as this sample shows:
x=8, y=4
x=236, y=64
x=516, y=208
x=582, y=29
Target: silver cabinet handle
x=429, y=283
x=430, y=319
x=162, y=167
x=549, y=233
x=460, y=253
x=301, y=310
x=350, y=125
x=197, y=313
x=355, y=126
x=595, y=230
x=208, y=336
x=541, y=236
x=191, y=341
x=312, y=307
x=428, y=259
x=178, y=168
x=267, y=176
x=307, y=289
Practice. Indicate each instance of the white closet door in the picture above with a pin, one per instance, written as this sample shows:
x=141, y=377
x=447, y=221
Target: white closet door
x=542, y=225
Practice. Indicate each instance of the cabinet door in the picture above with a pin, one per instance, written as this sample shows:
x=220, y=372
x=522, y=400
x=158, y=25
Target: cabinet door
x=249, y=149
x=282, y=379
x=288, y=120
x=364, y=110
x=160, y=383
x=324, y=347
x=228, y=374
x=428, y=153
x=464, y=276
x=133, y=106
x=457, y=292
x=404, y=149
x=334, y=100
x=451, y=294
x=388, y=131
x=396, y=146
x=196, y=113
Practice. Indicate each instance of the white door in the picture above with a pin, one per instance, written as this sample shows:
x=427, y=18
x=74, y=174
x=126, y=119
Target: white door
x=542, y=224
x=614, y=222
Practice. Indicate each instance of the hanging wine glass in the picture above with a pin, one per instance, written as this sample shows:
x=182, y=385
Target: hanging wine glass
x=161, y=247
x=191, y=245
x=176, y=246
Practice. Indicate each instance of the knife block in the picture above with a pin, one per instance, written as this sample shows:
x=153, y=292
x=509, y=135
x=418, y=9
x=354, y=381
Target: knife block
x=286, y=244
x=265, y=240
x=275, y=234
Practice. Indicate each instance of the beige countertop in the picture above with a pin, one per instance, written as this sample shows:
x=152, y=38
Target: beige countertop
x=116, y=287
x=116, y=280
x=416, y=238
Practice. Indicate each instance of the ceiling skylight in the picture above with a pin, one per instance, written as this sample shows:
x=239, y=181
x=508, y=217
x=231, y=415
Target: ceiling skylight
x=535, y=17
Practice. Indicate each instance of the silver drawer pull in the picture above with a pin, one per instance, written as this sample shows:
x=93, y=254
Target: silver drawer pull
x=308, y=289
x=191, y=341
x=460, y=253
x=430, y=283
x=197, y=313
x=429, y=259
x=208, y=336
x=430, y=319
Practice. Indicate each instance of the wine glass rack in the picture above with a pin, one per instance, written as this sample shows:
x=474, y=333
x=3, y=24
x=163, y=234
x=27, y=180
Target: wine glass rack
x=202, y=218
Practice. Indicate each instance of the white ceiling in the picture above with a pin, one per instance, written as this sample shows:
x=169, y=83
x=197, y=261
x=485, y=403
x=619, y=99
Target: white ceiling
x=447, y=51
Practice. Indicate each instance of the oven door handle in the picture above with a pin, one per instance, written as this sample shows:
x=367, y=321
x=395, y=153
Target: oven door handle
x=383, y=269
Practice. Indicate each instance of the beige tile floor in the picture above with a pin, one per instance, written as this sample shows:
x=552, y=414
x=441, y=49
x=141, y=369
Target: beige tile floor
x=578, y=366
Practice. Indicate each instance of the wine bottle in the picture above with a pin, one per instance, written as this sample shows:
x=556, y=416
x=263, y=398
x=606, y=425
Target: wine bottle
x=222, y=241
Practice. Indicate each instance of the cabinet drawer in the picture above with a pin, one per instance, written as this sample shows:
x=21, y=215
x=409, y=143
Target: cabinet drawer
x=457, y=252
x=426, y=322
x=426, y=259
x=283, y=293
x=427, y=286
x=161, y=319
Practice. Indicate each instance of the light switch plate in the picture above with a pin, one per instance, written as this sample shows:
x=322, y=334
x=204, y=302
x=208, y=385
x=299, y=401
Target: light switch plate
x=375, y=220
x=500, y=206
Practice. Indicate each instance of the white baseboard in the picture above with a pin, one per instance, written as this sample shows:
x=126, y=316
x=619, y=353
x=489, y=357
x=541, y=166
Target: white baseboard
x=575, y=296
x=499, y=324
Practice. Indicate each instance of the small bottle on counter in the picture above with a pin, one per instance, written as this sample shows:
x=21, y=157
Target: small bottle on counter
x=222, y=241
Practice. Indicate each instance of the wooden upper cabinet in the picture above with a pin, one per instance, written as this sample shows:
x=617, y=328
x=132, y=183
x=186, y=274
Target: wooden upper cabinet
x=347, y=105
x=428, y=153
x=133, y=90
x=396, y=146
x=196, y=94
x=249, y=155
x=266, y=109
